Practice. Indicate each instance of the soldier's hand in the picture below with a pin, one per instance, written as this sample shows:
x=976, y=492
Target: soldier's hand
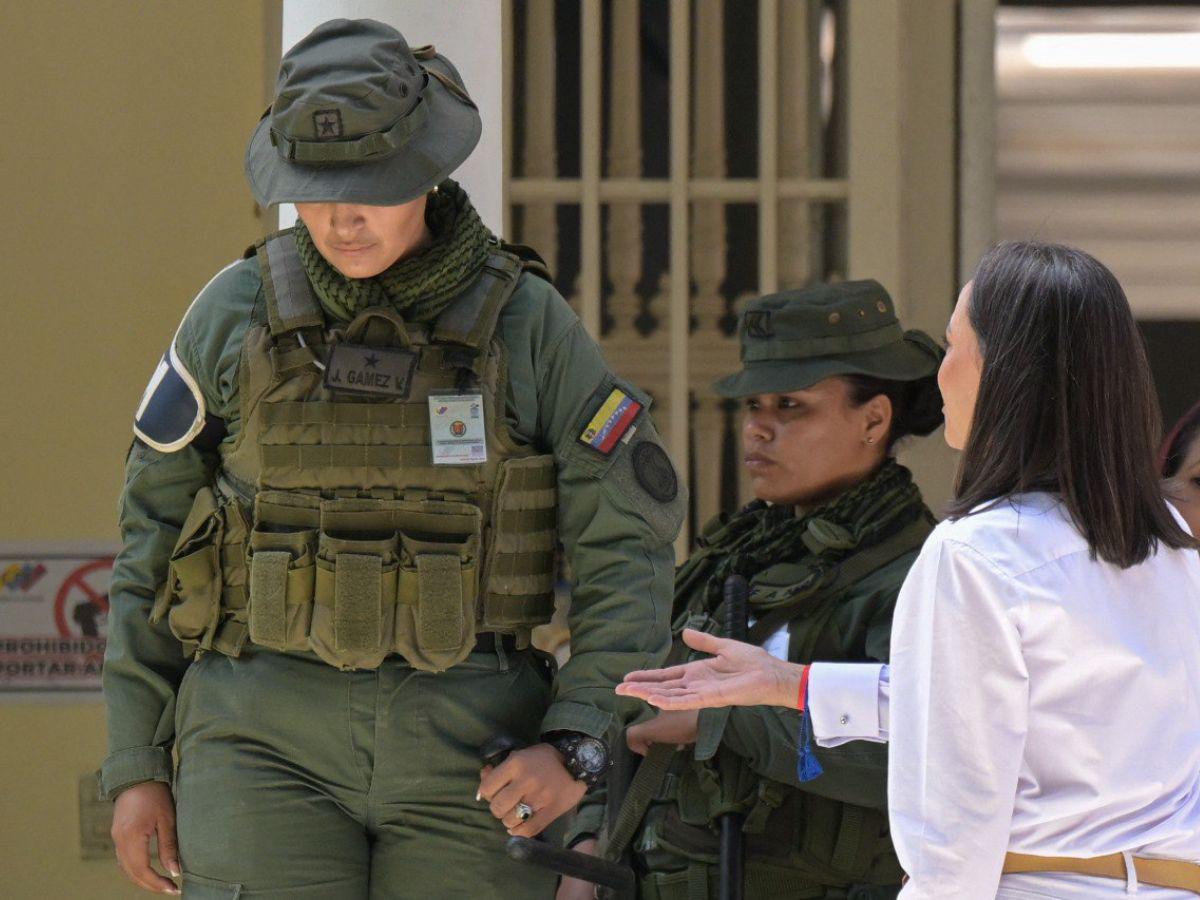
x=572, y=888
x=535, y=776
x=140, y=813
x=668, y=727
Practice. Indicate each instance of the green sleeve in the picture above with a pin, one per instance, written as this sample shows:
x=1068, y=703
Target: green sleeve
x=616, y=536
x=768, y=737
x=144, y=663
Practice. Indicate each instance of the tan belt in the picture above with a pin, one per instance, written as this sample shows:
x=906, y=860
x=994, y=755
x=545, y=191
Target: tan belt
x=1167, y=873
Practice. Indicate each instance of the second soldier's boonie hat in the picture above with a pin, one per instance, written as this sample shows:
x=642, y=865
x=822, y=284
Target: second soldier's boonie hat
x=792, y=340
x=360, y=117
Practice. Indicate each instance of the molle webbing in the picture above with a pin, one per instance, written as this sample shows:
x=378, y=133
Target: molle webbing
x=361, y=546
x=520, y=569
x=346, y=456
x=471, y=319
x=388, y=415
x=291, y=302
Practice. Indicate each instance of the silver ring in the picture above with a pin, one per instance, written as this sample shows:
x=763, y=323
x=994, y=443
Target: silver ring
x=524, y=811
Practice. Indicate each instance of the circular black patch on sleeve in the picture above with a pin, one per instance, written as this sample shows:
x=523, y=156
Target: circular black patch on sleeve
x=654, y=472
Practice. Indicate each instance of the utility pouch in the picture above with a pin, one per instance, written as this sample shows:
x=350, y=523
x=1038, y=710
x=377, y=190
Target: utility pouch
x=439, y=584
x=354, y=599
x=282, y=569
x=282, y=579
x=191, y=597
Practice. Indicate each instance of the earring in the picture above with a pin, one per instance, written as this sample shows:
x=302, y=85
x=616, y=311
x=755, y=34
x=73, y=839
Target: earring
x=870, y=440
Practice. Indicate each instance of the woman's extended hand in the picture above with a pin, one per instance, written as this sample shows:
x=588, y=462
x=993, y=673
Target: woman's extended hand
x=737, y=674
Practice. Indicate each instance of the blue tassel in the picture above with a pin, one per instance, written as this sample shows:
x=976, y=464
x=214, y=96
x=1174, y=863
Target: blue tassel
x=808, y=768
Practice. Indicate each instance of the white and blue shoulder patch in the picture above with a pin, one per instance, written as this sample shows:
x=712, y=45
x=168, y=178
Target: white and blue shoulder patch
x=172, y=411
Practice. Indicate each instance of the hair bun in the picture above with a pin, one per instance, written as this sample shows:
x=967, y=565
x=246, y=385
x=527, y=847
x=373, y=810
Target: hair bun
x=922, y=411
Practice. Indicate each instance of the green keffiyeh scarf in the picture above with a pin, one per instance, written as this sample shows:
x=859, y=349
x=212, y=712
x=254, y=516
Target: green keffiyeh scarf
x=418, y=287
x=760, y=536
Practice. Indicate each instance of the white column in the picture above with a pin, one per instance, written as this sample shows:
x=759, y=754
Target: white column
x=902, y=142
x=977, y=132
x=539, y=148
x=468, y=33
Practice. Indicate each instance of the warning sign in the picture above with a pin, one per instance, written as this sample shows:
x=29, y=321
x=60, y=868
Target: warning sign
x=53, y=619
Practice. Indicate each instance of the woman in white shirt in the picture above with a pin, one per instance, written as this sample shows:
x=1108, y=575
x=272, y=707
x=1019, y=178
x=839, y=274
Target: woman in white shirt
x=1043, y=699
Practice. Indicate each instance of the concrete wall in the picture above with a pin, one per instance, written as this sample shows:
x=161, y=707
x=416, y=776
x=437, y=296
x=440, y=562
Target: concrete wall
x=124, y=127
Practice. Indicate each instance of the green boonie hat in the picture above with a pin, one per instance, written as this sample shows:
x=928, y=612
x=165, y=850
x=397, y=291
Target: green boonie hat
x=792, y=340
x=359, y=117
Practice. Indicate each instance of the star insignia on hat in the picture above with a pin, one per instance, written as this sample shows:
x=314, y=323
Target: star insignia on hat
x=371, y=361
x=327, y=123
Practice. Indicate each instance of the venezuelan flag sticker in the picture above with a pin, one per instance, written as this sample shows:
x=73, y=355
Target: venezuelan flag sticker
x=611, y=421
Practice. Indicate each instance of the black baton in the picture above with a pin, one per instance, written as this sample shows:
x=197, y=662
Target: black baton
x=732, y=873
x=574, y=864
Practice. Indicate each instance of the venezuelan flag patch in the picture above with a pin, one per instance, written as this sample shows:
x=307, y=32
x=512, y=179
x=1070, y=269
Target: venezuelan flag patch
x=610, y=422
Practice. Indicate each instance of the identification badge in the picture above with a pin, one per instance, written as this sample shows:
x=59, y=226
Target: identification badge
x=457, y=430
x=370, y=370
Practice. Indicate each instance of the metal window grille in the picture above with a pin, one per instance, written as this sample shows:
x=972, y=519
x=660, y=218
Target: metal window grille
x=670, y=159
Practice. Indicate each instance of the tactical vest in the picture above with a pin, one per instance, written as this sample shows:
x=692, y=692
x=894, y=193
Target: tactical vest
x=798, y=843
x=330, y=529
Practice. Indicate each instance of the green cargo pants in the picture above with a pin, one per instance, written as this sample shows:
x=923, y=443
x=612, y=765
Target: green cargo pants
x=297, y=780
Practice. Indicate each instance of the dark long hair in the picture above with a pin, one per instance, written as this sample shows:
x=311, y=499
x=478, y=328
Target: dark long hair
x=1066, y=403
x=1176, y=445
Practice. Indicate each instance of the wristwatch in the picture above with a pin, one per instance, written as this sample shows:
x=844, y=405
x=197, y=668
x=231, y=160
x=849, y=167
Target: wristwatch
x=585, y=757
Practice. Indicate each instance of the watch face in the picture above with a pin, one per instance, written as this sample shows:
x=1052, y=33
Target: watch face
x=591, y=755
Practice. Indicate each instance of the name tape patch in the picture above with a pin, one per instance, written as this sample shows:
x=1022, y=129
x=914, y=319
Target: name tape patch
x=610, y=422
x=369, y=370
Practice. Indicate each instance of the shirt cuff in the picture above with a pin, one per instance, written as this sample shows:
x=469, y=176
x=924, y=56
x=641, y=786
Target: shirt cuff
x=566, y=715
x=844, y=701
x=125, y=768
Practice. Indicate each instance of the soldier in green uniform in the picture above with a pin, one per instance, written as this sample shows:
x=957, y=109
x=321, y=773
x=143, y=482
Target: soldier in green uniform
x=830, y=383
x=353, y=470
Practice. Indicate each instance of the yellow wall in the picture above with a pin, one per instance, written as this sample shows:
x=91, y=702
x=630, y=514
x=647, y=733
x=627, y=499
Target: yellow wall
x=122, y=133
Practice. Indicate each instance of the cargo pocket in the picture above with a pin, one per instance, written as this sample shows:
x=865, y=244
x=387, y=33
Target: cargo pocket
x=282, y=576
x=191, y=597
x=353, y=612
x=435, y=615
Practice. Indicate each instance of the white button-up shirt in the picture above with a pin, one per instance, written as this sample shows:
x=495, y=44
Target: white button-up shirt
x=1043, y=702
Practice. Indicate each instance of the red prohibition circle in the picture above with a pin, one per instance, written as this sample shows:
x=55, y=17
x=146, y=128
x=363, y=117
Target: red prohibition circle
x=76, y=580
